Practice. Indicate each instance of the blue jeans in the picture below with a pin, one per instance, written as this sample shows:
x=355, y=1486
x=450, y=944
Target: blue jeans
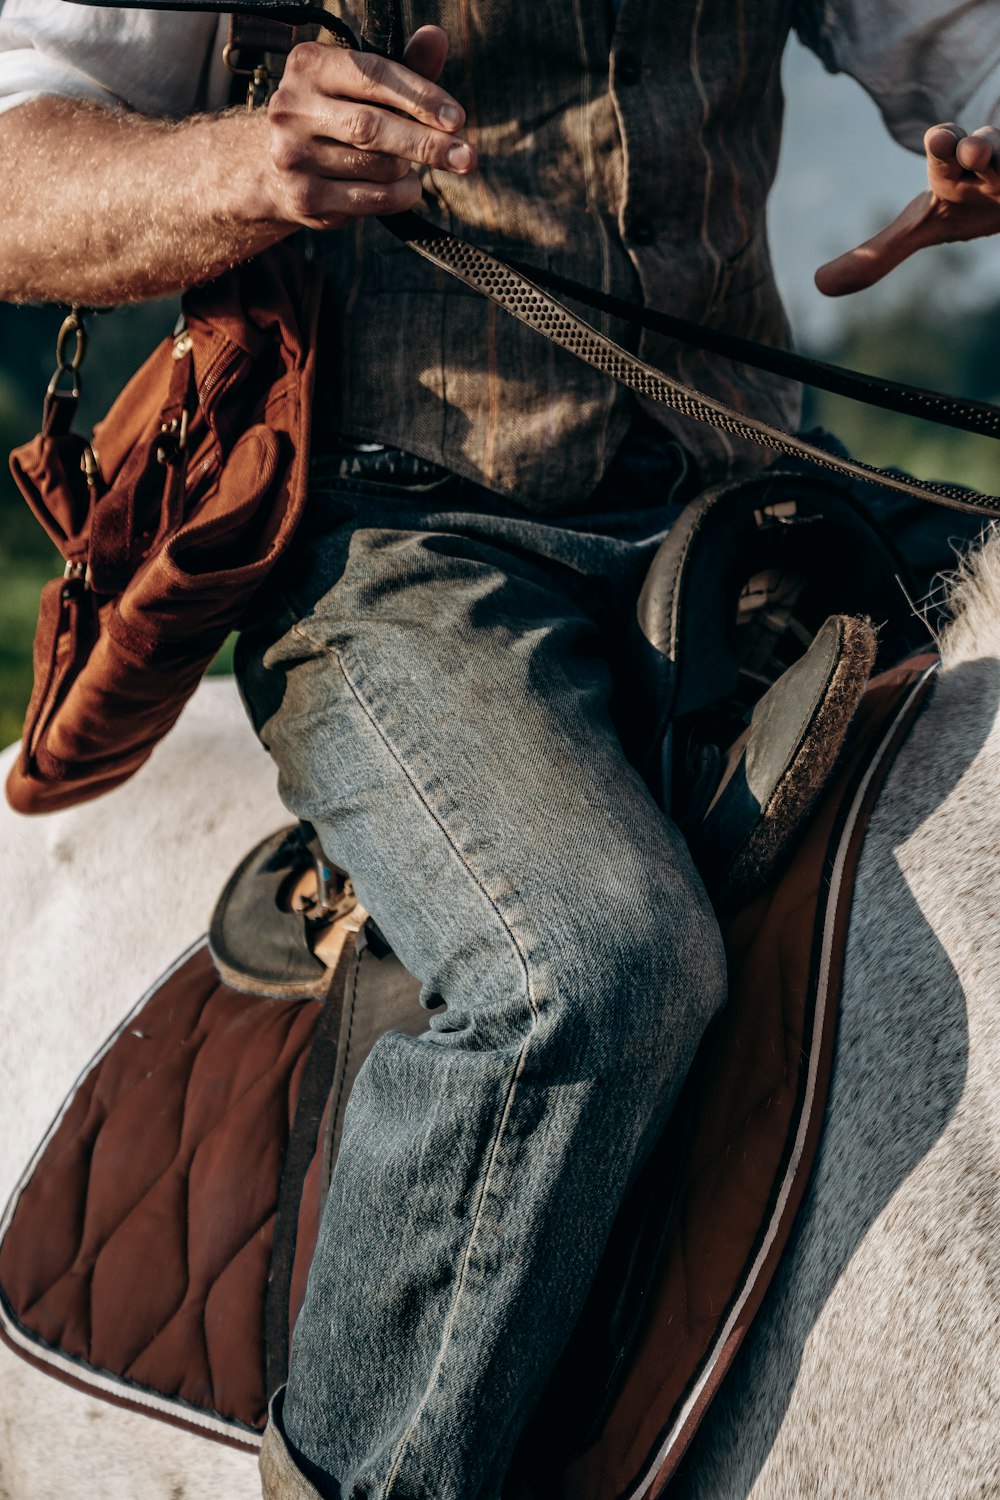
x=444, y=683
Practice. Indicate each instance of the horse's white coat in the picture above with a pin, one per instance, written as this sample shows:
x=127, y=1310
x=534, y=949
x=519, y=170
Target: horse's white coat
x=873, y=1371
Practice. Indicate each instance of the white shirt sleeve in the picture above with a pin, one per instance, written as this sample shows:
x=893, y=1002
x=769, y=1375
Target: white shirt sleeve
x=922, y=61
x=152, y=61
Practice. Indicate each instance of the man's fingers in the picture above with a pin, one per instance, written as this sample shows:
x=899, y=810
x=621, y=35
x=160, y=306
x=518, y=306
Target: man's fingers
x=368, y=104
x=367, y=76
x=326, y=202
x=364, y=199
x=955, y=159
x=345, y=128
x=940, y=146
x=963, y=203
x=371, y=129
x=329, y=159
x=868, y=263
x=980, y=153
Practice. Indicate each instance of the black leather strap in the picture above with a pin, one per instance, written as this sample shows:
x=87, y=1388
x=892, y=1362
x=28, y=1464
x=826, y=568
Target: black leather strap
x=287, y=12
x=382, y=30
x=260, y=34
x=525, y=300
x=871, y=390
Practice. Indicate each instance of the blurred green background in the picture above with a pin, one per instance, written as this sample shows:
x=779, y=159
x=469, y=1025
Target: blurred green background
x=936, y=322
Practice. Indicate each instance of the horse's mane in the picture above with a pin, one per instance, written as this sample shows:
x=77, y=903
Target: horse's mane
x=973, y=629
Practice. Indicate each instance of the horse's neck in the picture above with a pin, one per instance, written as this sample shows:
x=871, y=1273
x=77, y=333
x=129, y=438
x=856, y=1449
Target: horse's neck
x=920, y=1023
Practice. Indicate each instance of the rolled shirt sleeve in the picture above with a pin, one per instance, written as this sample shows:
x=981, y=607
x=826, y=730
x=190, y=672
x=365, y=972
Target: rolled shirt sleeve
x=922, y=61
x=155, y=62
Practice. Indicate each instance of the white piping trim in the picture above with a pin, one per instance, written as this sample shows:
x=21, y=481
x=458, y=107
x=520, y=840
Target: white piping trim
x=130, y=1395
x=81, y=1077
x=822, y=986
x=80, y=1372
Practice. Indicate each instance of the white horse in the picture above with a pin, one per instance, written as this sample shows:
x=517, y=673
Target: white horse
x=873, y=1367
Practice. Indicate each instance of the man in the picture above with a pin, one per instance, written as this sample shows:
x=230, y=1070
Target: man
x=443, y=671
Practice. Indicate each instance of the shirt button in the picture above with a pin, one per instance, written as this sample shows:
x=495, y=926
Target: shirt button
x=641, y=232
x=627, y=69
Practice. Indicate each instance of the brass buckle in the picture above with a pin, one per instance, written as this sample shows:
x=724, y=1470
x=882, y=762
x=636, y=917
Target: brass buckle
x=260, y=77
x=72, y=328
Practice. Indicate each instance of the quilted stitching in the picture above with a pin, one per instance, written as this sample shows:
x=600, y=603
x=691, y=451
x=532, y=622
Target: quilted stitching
x=135, y=1207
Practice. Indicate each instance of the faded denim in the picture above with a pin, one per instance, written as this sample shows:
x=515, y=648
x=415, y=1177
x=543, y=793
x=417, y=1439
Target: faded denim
x=444, y=684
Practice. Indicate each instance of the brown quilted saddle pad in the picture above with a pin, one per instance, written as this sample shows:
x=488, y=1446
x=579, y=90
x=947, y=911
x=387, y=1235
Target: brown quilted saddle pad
x=156, y=1249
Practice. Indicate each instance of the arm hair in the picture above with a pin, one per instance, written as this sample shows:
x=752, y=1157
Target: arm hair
x=104, y=207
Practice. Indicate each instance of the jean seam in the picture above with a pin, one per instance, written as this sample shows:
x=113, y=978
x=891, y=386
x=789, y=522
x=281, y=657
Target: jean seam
x=344, y=1062
x=418, y=791
x=516, y=1071
x=453, y=1312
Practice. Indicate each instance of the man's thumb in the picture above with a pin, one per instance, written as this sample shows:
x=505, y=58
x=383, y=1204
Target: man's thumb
x=868, y=263
x=427, y=52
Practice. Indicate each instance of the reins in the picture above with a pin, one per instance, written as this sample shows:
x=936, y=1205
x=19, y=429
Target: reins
x=526, y=300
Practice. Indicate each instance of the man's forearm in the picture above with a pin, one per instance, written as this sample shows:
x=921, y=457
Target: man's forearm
x=102, y=207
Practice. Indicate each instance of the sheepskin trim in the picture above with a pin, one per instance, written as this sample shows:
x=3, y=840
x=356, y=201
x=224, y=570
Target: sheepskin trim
x=808, y=771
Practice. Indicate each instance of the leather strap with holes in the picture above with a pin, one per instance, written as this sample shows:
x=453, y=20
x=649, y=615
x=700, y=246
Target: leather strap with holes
x=526, y=300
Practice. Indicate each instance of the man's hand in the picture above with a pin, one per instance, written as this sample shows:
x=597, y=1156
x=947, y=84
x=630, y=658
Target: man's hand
x=103, y=206
x=346, y=128
x=961, y=203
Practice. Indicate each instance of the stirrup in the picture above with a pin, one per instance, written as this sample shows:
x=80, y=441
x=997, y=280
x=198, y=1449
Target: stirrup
x=776, y=769
x=276, y=924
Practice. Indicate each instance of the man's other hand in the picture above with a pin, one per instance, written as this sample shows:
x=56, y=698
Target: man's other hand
x=346, y=129
x=962, y=202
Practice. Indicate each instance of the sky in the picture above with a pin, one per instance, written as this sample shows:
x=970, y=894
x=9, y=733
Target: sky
x=840, y=178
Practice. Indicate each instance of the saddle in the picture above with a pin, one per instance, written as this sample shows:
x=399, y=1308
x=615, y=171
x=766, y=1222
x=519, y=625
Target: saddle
x=169, y=1279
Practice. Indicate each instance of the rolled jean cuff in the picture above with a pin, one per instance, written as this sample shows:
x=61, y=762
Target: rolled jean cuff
x=280, y=1477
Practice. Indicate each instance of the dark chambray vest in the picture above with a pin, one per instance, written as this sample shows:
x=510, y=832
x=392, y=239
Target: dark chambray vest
x=632, y=153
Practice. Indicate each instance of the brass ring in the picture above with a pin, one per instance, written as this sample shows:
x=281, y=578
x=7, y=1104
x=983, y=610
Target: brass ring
x=71, y=326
